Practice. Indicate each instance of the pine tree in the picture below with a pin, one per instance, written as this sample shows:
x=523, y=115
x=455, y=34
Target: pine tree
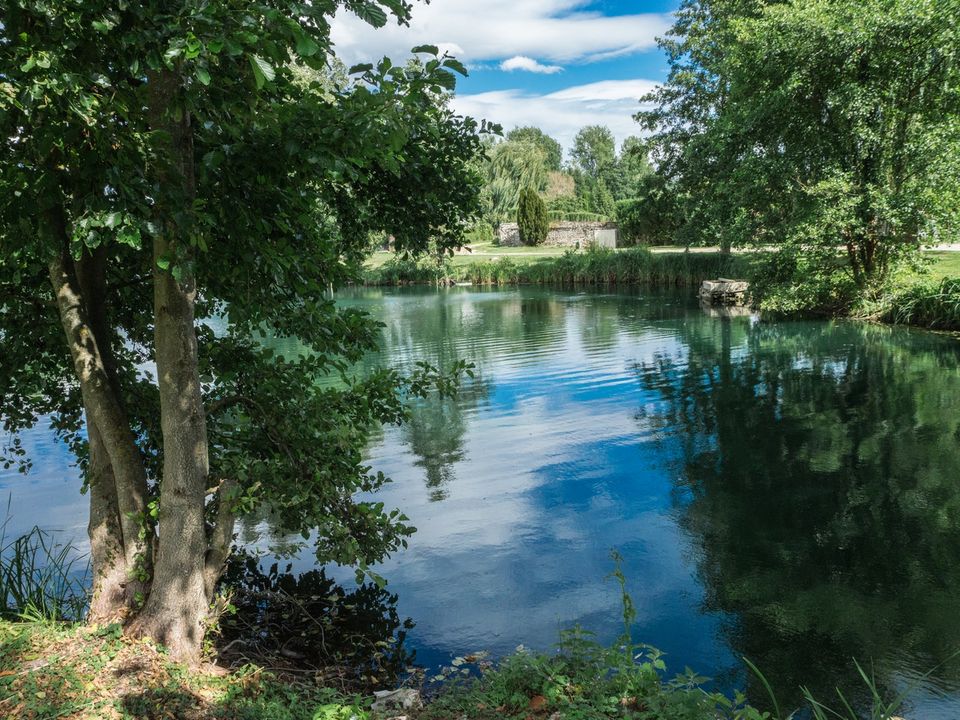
x=532, y=218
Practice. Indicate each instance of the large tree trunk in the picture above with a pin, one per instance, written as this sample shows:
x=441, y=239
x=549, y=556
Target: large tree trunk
x=120, y=549
x=110, y=598
x=177, y=606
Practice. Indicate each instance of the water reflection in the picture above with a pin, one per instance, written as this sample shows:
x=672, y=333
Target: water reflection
x=785, y=491
x=820, y=469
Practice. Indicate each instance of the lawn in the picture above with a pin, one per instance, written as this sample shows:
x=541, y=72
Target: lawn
x=943, y=263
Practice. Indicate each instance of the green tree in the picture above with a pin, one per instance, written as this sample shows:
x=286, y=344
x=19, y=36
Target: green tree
x=512, y=166
x=172, y=184
x=632, y=170
x=602, y=200
x=552, y=149
x=594, y=151
x=532, y=218
x=822, y=125
x=652, y=216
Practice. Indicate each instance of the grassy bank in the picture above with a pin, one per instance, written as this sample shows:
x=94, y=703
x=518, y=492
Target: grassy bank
x=59, y=671
x=592, y=267
x=52, y=671
x=930, y=300
x=928, y=303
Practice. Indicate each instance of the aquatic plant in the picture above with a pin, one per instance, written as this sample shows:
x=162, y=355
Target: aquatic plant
x=41, y=579
x=927, y=304
x=593, y=266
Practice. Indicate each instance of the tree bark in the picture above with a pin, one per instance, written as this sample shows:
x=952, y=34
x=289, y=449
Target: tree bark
x=110, y=598
x=114, y=451
x=178, y=602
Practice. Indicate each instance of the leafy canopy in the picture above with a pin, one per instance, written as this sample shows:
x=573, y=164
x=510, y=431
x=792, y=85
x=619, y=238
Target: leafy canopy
x=295, y=165
x=829, y=127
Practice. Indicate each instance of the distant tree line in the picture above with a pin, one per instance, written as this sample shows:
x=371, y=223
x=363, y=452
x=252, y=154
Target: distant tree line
x=596, y=183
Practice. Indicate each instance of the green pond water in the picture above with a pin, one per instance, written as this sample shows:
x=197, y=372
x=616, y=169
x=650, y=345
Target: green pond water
x=784, y=491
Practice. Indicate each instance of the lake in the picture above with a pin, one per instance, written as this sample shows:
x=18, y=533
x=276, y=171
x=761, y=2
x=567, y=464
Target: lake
x=784, y=491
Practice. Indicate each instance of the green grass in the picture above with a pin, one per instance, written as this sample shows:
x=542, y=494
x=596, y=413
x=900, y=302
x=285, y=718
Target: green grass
x=50, y=670
x=590, y=267
x=944, y=264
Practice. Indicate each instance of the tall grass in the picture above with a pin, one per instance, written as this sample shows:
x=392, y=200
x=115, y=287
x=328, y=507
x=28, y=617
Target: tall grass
x=40, y=579
x=595, y=266
x=934, y=305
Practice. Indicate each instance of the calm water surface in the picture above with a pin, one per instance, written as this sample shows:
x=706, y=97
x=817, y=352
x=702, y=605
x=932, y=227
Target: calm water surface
x=788, y=492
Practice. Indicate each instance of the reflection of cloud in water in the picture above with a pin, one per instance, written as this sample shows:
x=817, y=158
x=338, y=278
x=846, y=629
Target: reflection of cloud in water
x=555, y=473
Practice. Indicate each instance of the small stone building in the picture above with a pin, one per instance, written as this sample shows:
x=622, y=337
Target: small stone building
x=567, y=234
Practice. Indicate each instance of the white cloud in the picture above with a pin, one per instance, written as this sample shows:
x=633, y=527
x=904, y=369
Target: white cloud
x=555, y=30
x=522, y=62
x=562, y=113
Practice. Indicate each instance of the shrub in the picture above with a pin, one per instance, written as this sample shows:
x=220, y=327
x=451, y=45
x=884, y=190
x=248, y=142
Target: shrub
x=797, y=282
x=652, y=217
x=574, y=216
x=481, y=233
x=532, y=218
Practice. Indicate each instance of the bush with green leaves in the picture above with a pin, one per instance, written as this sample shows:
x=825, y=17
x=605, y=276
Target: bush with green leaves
x=532, y=217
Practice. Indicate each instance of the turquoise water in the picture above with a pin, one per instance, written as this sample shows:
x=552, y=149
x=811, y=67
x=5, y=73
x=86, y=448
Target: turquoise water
x=785, y=491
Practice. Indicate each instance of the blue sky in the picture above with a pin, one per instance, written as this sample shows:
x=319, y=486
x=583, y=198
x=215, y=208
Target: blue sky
x=556, y=64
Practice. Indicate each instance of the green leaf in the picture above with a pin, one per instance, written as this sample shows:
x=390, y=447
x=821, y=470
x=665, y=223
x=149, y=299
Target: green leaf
x=306, y=45
x=171, y=54
x=361, y=68
x=429, y=49
x=370, y=13
x=446, y=79
x=129, y=236
x=456, y=66
x=203, y=76
x=262, y=70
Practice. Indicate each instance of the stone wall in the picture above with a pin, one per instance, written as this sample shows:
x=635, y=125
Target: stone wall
x=563, y=234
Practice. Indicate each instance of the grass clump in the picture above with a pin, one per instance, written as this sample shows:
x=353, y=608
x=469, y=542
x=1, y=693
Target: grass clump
x=929, y=304
x=41, y=579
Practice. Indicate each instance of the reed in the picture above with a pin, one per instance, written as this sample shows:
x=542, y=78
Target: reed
x=594, y=266
x=934, y=305
x=40, y=579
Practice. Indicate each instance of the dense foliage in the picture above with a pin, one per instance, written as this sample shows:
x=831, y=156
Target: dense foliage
x=652, y=216
x=176, y=183
x=829, y=128
x=532, y=218
x=586, y=188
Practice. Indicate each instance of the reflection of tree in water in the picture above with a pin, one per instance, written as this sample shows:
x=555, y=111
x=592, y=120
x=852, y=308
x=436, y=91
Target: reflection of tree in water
x=819, y=469
x=436, y=432
x=351, y=638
